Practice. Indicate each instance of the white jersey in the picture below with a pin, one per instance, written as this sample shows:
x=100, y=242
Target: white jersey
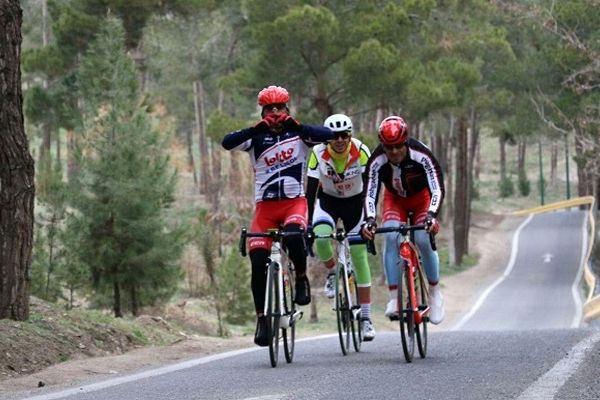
x=344, y=184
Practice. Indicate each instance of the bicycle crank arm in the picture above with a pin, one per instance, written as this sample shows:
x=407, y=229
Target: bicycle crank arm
x=288, y=320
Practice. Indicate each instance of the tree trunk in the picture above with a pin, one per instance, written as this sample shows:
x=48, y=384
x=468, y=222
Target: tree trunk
x=553, y=163
x=581, y=162
x=117, y=298
x=461, y=190
x=17, y=188
x=521, y=156
x=202, y=139
x=135, y=306
x=191, y=162
x=502, y=142
x=473, y=145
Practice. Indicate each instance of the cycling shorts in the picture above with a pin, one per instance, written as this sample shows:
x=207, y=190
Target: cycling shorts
x=273, y=214
x=396, y=208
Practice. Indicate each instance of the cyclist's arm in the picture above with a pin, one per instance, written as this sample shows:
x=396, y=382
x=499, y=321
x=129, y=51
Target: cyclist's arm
x=312, y=186
x=433, y=172
x=371, y=183
x=238, y=140
x=312, y=134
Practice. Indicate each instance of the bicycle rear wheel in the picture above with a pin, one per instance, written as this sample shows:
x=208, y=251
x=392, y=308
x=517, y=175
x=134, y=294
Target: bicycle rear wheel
x=341, y=309
x=273, y=312
x=421, y=328
x=355, y=313
x=289, y=308
x=407, y=319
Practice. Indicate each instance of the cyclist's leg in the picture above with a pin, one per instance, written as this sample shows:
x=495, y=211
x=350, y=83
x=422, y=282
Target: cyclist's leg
x=323, y=224
x=429, y=257
x=259, y=252
x=393, y=215
x=296, y=212
x=430, y=261
x=352, y=219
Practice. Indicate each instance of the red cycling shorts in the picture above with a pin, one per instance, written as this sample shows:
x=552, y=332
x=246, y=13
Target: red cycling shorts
x=273, y=214
x=396, y=208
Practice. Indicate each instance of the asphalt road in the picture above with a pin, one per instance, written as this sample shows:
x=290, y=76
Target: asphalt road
x=522, y=340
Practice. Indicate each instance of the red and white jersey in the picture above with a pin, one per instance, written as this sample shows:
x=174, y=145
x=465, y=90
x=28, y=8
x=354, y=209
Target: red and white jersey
x=279, y=161
x=419, y=170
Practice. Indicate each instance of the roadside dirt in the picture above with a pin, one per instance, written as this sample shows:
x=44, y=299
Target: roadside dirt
x=491, y=238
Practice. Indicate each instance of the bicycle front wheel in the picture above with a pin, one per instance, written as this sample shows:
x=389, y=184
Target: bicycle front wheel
x=355, y=313
x=273, y=312
x=289, y=308
x=407, y=319
x=342, y=309
x=421, y=327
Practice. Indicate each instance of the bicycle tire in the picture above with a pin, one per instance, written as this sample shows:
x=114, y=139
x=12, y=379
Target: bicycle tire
x=355, y=315
x=421, y=328
x=289, y=308
x=273, y=312
x=341, y=309
x=406, y=317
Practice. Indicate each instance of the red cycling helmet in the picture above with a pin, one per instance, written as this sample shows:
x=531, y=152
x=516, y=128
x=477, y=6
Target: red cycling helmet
x=273, y=95
x=393, y=130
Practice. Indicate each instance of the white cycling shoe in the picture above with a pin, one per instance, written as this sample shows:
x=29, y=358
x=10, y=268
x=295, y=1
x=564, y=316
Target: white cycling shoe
x=329, y=289
x=368, y=330
x=436, y=303
x=391, y=310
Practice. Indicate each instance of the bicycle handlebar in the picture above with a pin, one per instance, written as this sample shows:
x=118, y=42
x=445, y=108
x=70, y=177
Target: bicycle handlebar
x=275, y=234
x=339, y=235
x=403, y=229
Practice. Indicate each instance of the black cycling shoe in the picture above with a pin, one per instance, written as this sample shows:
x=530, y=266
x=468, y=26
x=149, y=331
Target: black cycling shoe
x=302, y=291
x=261, y=337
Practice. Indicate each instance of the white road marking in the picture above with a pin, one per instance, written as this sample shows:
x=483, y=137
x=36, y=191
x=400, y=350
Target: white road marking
x=509, y=267
x=548, y=384
x=156, y=372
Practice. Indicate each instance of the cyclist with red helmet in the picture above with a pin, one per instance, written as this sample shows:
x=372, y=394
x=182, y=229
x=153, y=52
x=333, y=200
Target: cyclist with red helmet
x=278, y=147
x=413, y=182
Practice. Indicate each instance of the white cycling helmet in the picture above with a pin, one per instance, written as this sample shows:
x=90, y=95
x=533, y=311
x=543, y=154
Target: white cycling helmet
x=338, y=123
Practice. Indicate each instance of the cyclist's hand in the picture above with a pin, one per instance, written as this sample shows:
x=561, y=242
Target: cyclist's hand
x=310, y=240
x=261, y=126
x=432, y=225
x=290, y=124
x=367, y=231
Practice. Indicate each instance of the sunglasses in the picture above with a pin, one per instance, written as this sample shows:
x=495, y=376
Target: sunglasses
x=341, y=135
x=393, y=146
x=273, y=108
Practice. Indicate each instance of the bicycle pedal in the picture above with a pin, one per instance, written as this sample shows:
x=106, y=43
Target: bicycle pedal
x=297, y=316
x=394, y=318
x=423, y=307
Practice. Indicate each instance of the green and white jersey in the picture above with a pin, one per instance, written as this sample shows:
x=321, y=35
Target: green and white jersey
x=340, y=178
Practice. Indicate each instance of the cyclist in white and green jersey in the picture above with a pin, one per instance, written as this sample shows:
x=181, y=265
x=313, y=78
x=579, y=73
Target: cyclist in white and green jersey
x=334, y=192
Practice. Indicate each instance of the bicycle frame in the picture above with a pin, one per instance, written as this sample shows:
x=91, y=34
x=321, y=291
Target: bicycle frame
x=413, y=311
x=409, y=257
x=346, y=303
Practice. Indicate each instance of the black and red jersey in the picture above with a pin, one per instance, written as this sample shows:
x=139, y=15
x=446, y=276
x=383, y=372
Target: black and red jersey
x=418, y=171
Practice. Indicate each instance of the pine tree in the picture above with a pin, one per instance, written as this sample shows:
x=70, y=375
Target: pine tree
x=125, y=183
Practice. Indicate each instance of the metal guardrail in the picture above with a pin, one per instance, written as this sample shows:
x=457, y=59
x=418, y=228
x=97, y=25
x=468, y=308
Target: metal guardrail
x=591, y=307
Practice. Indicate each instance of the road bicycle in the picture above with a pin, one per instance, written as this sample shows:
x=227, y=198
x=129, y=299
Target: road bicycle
x=346, y=304
x=412, y=291
x=280, y=308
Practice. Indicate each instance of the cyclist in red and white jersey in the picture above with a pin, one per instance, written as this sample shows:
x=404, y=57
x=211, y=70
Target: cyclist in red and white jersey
x=278, y=147
x=413, y=182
